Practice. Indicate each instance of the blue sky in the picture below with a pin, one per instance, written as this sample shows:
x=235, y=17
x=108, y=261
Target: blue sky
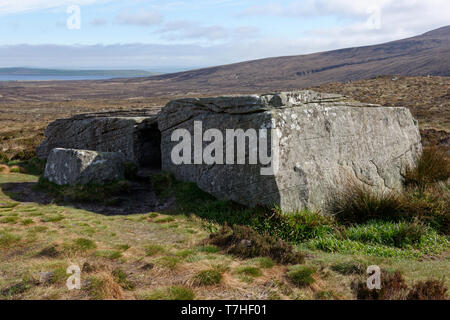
x=155, y=34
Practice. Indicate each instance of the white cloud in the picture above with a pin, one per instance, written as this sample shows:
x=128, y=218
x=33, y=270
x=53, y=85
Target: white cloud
x=361, y=22
x=181, y=30
x=97, y=22
x=140, y=18
x=19, y=6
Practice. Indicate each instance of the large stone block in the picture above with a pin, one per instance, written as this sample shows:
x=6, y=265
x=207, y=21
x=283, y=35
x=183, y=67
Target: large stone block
x=323, y=141
x=71, y=166
x=133, y=133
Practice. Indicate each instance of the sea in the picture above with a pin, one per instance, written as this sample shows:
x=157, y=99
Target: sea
x=14, y=77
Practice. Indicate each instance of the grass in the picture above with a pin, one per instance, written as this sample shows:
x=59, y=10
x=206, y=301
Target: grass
x=103, y=287
x=264, y=262
x=245, y=242
x=208, y=277
x=8, y=239
x=27, y=222
x=83, y=244
x=301, y=276
x=168, y=262
x=209, y=249
x=357, y=203
x=153, y=249
x=249, y=271
x=386, y=224
x=52, y=218
x=349, y=268
x=84, y=193
x=400, y=235
x=431, y=244
x=109, y=254
x=123, y=270
x=171, y=293
x=432, y=166
x=9, y=220
x=122, y=279
x=123, y=247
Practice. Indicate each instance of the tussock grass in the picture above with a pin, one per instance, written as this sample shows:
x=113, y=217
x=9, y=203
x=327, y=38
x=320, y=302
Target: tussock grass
x=103, y=287
x=109, y=254
x=264, y=262
x=171, y=293
x=349, y=268
x=122, y=279
x=9, y=220
x=249, y=271
x=244, y=242
x=207, y=277
x=8, y=240
x=82, y=244
x=153, y=249
x=301, y=276
x=432, y=166
x=357, y=203
x=169, y=262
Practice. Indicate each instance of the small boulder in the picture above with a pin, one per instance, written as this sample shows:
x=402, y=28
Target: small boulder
x=73, y=166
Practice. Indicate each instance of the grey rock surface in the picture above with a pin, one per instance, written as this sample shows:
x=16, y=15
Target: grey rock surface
x=128, y=132
x=72, y=166
x=325, y=140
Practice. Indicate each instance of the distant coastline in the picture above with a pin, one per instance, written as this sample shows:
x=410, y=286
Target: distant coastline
x=31, y=74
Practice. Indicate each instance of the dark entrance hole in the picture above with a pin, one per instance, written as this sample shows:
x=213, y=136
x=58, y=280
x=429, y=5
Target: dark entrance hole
x=148, y=147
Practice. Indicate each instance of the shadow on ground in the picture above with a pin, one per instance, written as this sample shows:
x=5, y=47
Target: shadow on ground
x=141, y=199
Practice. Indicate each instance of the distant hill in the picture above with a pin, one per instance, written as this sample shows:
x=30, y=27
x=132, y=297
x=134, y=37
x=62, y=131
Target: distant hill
x=60, y=72
x=427, y=54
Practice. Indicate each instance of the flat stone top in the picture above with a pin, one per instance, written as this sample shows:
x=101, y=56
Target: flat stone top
x=121, y=114
x=256, y=103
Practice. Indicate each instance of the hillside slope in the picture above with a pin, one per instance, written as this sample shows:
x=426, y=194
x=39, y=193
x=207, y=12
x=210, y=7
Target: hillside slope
x=427, y=54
